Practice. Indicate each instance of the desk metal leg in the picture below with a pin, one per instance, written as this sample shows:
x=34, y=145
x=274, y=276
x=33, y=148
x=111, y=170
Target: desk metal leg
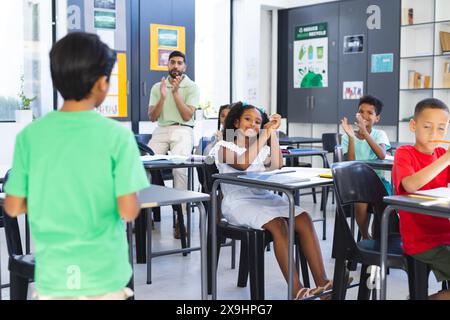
x=213, y=232
x=149, y=247
x=140, y=226
x=129, y=231
x=27, y=235
x=203, y=253
x=291, y=244
x=384, y=244
x=188, y=207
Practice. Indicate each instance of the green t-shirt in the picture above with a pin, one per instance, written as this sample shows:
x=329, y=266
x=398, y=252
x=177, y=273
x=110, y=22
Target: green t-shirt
x=71, y=167
x=189, y=93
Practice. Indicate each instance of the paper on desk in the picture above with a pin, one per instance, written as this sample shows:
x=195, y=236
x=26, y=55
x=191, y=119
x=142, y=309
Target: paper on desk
x=437, y=193
x=164, y=157
x=304, y=172
x=389, y=157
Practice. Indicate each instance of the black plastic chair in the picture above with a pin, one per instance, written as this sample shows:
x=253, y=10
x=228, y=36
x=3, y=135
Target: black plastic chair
x=357, y=182
x=20, y=265
x=253, y=247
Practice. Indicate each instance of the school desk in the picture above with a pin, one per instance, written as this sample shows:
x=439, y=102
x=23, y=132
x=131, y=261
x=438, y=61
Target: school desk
x=287, y=188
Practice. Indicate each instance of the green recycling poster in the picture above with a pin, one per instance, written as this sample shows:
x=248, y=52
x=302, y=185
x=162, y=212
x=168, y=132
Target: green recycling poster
x=311, y=56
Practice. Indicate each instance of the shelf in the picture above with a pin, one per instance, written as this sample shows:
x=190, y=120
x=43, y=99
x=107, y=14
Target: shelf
x=424, y=57
x=431, y=23
x=443, y=22
x=418, y=89
x=442, y=89
x=428, y=25
x=445, y=56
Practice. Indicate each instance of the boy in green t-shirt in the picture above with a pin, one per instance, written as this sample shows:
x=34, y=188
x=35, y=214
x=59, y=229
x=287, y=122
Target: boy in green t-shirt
x=76, y=175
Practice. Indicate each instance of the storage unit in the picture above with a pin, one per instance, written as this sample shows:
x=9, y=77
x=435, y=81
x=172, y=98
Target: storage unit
x=424, y=66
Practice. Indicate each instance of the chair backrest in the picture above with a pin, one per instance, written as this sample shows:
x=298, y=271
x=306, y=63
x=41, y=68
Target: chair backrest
x=143, y=137
x=12, y=231
x=357, y=182
x=204, y=141
x=338, y=154
x=143, y=147
x=330, y=141
x=281, y=134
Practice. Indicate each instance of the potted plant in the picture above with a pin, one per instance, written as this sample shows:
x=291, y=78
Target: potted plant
x=24, y=113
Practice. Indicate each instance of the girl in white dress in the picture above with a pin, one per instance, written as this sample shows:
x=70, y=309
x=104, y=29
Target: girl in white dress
x=245, y=147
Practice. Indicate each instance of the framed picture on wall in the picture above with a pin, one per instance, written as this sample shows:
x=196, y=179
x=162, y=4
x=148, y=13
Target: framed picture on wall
x=105, y=4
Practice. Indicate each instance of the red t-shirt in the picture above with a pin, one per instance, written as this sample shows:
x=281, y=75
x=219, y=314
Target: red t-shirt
x=420, y=232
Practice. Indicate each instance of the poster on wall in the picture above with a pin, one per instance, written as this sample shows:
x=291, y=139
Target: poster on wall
x=353, y=90
x=104, y=20
x=311, y=56
x=163, y=40
x=382, y=63
x=105, y=4
x=115, y=103
x=354, y=44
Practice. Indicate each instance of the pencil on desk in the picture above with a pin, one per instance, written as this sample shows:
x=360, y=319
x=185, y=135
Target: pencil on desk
x=422, y=197
x=440, y=141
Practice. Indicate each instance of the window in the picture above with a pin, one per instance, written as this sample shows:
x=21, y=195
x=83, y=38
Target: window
x=26, y=28
x=212, y=53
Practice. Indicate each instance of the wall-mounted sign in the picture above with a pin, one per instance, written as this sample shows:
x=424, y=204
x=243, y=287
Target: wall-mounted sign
x=311, y=56
x=354, y=44
x=104, y=19
x=105, y=4
x=382, y=63
x=163, y=40
x=353, y=90
x=115, y=103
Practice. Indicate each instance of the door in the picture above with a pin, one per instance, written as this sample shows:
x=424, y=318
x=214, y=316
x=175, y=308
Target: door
x=179, y=13
x=313, y=104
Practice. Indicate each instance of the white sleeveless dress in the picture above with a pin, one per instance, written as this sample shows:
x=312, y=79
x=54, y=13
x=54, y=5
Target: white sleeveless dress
x=245, y=206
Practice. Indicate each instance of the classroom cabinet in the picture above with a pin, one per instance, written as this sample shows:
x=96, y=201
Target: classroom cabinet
x=359, y=31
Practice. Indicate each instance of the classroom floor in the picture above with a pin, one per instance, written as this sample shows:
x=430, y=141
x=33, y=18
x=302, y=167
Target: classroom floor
x=178, y=278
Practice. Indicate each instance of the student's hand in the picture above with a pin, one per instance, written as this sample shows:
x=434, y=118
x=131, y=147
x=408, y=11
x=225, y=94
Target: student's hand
x=176, y=84
x=163, y=88
x=275, y=121
x=361, y=124
x=347, y=128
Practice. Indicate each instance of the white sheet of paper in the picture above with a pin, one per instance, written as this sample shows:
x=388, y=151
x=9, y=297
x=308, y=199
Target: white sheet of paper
x=437, y=192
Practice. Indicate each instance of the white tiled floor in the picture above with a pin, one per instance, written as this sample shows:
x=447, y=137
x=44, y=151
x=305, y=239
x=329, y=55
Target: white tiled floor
x=178, y=278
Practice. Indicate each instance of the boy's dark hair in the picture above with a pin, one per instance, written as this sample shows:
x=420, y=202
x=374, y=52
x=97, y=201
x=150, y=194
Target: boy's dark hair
x=225, y=106
x=429, y=103
x=236, y=111
x=77, y=61
x=177, y=54
x=368, y=99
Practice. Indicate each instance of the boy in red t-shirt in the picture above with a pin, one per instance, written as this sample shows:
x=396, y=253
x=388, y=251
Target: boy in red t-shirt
x=421, y=167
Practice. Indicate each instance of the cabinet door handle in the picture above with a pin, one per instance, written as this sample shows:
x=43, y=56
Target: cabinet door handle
x=312, y=102
x=144, y=88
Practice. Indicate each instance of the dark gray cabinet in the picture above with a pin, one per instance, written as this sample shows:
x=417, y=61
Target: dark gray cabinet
x=344, y=18
x=313, y=104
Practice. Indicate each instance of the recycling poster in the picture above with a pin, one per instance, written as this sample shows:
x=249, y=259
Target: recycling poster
x=311, y=56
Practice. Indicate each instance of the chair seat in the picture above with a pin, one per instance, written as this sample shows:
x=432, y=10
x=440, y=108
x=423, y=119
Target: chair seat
x=370, y=249
x=22, y=265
